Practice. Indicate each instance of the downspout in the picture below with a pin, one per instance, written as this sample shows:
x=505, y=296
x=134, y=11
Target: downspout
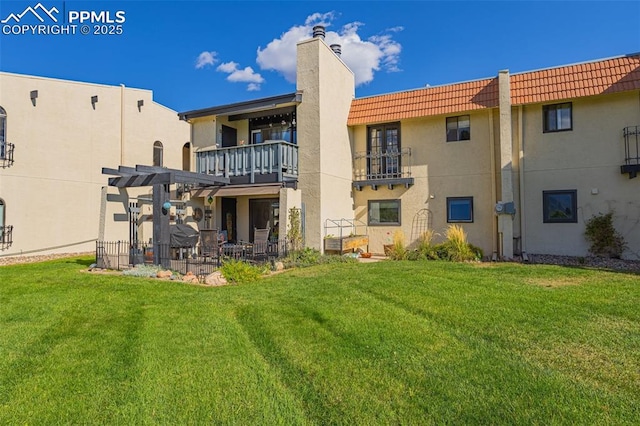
x=122, y=124
x=523, y=222
x=494, y=223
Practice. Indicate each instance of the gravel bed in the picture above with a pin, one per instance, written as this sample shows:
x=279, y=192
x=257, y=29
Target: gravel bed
x=589, y=261
x=14, y=260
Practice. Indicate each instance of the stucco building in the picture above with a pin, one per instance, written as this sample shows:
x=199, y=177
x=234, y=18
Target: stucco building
x=55, y=138
x=521, y=161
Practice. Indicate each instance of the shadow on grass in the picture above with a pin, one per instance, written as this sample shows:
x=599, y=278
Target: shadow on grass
x=82, y=261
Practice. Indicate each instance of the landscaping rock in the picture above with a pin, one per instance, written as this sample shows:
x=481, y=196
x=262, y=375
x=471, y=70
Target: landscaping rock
x=190, y=278
x=279, y=266
x=215, y=279
x=164, y=274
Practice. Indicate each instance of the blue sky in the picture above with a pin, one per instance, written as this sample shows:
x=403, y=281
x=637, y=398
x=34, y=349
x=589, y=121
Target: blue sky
x=196, y=54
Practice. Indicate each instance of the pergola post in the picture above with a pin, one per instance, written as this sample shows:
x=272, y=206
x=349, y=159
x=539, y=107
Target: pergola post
x=161, y=236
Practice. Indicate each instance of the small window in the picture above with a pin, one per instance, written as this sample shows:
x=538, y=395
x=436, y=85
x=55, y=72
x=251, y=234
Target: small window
x=560, y=206
x=557, y=117
x=157, y=153
x=384, y=212
x=459, y=209
x=458, y=128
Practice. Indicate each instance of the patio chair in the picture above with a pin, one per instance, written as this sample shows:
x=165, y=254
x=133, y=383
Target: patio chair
x=209, y=243
x=259, y=248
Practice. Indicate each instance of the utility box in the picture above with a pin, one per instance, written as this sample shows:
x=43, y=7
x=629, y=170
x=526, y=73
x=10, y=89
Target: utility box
x=505, y=208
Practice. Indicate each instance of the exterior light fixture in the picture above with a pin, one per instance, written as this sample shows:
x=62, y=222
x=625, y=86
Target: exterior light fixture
x=94, y=101
x=34, y=96
x=140, y=103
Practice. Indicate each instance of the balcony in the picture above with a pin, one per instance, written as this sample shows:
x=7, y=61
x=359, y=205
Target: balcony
x=6, y=236
x=382, y=168
x=631, y=151
x=269, y=162
x=6, y=155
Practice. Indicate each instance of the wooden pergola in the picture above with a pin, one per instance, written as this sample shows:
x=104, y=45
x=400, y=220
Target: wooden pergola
x=160, y=178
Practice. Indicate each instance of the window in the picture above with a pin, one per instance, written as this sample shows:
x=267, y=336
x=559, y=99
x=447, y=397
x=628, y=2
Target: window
x=384, y=212
x=157, y=153
x=383, y=152
x=557, y=118
x=459, y=209
x=458, y=128
x=186, y=156
x=3, y=132
x=560, y=206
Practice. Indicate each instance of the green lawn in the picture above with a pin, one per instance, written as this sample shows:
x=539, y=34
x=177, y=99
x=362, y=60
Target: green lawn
x=380, y=343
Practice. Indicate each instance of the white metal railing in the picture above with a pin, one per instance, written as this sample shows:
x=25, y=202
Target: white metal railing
x=277, y=157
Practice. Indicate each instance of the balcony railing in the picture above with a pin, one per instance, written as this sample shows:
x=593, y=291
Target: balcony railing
x=6, y=236
x=631, y=165
x=267, y=162
x=382, y=168
x=6, y=155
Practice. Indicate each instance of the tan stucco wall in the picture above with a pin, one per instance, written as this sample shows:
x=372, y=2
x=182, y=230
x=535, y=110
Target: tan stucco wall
x=325, y=178
x=586, y=158
x=53, y=190
x=440, y=169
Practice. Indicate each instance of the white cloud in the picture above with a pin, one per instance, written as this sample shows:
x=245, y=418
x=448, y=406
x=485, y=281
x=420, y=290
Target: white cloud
x=206, y=58
x=363, y=56
x=245, y=75
x=228, y=67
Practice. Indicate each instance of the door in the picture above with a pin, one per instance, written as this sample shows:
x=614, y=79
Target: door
x=229, y=219
x=229, y=136
x=383, y=152
x=264, y=213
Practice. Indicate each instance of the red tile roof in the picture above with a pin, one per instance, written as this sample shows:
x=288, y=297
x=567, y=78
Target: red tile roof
x=575, y=81
x=567, y=82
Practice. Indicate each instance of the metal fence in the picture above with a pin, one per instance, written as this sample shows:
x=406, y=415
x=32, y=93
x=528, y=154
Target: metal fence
x=6, y=236
x=121, y=255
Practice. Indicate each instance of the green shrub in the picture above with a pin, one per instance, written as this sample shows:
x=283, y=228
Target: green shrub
x=334, y=258
x=425, y=248
x=310, y=257
x=302, y=258
x=398, y=250
x=294, y=233
x=239, y=272
x=603, y=238
x=456, y=248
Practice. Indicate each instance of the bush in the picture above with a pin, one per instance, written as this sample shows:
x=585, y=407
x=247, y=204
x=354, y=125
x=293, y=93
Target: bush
x=603, y=238
x=239, y=272
x=398, y=250
x=302, y=258
x=456, y=248
x=310, y=257
x=425, y=248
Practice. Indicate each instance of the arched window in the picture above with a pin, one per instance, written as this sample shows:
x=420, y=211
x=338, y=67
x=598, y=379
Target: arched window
x=186, y=157
x=157, y=153
x=3, y=132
